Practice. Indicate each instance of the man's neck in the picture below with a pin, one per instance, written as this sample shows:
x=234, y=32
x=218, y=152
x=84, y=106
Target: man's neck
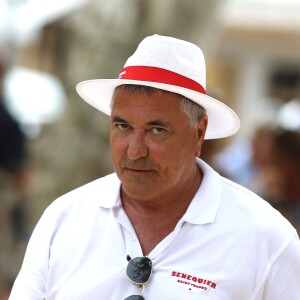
x=155, y=218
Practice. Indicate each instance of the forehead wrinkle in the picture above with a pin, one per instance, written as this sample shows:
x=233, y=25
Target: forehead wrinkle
x=143, y=112
x=122, y=111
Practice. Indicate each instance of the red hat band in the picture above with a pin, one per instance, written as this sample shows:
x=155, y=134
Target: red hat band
x=154, y=74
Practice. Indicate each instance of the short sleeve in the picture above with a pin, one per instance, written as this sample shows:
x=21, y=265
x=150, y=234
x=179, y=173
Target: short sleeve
x=282, y=281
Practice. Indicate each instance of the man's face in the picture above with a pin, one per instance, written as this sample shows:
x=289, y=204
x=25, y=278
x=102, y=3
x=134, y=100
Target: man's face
x=153, y=145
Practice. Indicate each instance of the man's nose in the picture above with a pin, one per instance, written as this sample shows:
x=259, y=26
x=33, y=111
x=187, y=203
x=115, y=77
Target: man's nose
x=137, y=147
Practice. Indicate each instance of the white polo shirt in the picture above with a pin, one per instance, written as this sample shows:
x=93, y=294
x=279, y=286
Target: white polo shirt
x=229, y=245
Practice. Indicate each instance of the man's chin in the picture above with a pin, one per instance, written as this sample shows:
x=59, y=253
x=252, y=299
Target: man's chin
x=138, y=191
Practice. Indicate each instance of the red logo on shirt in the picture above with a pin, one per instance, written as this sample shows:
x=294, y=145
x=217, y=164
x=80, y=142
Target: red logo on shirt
x=193, y=281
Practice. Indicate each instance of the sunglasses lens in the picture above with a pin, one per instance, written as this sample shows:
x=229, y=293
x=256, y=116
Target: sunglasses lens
x=139, y=271
x=135, y=297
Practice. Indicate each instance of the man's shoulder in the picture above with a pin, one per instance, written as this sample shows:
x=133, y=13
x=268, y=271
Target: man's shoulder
x=92, y=193
x=233, y=189
x=250, y=212
x=245, y=201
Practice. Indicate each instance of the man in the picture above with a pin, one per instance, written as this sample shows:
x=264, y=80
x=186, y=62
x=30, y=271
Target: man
x=166, y=225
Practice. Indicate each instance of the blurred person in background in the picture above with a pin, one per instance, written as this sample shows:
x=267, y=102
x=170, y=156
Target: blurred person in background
x=285, y=157
x=13, y=162
x=258, y=173
x=13, y=187
x=251, y=166
x=165, y=225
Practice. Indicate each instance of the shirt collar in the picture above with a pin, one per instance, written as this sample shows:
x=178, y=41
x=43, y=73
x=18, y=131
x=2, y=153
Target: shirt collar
x=109, y=186
x=205, y=204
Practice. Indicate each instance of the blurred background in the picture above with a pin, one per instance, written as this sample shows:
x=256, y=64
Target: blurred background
x=51, y=141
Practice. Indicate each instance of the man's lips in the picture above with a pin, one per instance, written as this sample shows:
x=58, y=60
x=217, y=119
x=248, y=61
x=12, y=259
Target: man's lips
x=139, y=166
x=137, y=170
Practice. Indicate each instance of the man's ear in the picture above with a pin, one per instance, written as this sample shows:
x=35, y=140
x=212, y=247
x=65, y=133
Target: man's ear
x=201, y=130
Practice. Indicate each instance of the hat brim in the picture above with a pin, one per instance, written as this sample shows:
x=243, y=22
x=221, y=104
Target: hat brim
x=222, y=120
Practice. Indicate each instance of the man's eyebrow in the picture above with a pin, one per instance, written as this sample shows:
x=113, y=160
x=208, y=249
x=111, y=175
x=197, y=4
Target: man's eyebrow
x=158, y=123
x=118, y=119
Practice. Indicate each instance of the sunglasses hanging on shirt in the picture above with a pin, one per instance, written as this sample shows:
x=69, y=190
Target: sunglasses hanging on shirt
x=139, y=270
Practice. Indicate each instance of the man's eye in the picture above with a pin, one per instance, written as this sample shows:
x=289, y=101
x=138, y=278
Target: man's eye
x=122, y=127
x=158, y=130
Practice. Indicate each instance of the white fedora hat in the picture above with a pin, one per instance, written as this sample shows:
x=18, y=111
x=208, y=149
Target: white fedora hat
x=168, y=64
